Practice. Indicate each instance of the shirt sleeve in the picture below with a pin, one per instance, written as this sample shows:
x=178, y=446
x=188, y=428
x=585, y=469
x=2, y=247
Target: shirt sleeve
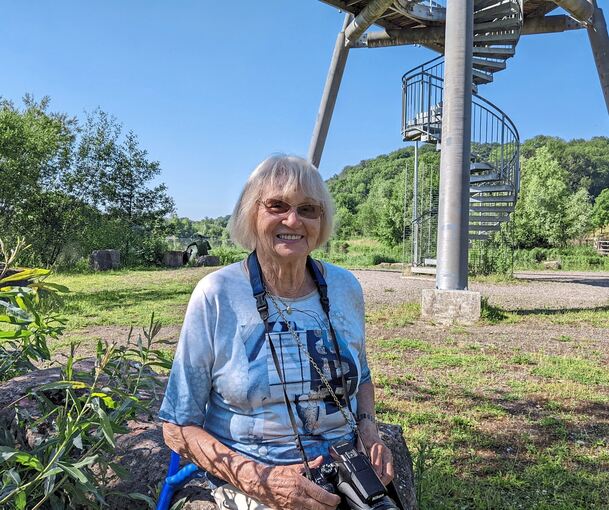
x=363, y=360
x=189, y=382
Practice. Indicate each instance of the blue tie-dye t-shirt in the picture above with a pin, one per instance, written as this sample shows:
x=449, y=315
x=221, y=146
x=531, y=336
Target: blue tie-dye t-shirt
x=223, y=377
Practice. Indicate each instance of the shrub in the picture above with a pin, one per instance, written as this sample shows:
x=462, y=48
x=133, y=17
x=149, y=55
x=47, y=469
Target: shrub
x=61, y=442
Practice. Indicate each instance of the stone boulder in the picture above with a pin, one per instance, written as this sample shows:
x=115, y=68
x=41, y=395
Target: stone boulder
x=173, y=258
x=105, y=260
x=208, y=261
x=552, y=264
x=143, y=454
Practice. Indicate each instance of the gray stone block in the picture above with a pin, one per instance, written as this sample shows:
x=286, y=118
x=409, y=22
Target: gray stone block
x=105, y=260
x=173, y=258
x=450, y=306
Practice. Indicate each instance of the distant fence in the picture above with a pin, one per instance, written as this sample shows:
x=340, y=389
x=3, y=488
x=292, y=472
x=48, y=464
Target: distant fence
x=602, y=246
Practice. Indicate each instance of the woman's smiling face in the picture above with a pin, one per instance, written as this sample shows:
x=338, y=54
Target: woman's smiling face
x=287, y=236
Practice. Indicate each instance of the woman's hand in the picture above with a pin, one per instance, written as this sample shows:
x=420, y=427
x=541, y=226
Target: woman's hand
x=285, y=488
x=380, y=455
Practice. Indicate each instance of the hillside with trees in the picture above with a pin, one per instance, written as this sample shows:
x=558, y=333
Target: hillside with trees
x=564, y=192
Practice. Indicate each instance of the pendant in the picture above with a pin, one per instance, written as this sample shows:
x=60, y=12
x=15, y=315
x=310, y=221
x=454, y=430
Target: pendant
x=289, y=309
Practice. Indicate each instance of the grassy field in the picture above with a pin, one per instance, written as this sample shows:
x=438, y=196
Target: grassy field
x=495, y=417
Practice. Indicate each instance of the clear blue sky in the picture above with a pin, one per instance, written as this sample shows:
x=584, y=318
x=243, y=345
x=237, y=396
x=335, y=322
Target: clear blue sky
x=210, y=97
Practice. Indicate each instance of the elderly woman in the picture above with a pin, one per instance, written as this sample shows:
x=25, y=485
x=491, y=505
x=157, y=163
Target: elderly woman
x=241, y=360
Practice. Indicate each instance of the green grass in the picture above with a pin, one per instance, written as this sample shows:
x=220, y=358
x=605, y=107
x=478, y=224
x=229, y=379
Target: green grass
x=127, y=298
x=396, y=316
x=571, y=369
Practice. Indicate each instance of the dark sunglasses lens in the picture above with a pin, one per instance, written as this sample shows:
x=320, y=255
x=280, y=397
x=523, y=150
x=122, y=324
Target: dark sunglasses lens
x=277, y=206
x=309, y=211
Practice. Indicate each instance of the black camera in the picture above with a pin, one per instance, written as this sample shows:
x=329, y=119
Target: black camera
x=352, y=477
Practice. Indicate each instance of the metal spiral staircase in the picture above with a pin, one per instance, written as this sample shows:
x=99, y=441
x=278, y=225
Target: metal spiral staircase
x=495, y=168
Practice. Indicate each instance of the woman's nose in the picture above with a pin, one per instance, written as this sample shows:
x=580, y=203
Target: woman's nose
x=292, y=218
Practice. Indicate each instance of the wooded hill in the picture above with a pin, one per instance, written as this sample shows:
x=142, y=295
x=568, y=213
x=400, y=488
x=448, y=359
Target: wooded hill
x=564, y=192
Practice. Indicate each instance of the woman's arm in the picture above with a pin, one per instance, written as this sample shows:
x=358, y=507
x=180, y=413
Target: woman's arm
x=380, y=455
x=280, y=487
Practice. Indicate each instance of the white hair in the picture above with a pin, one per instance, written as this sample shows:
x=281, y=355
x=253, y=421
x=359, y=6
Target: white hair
x=289, y=173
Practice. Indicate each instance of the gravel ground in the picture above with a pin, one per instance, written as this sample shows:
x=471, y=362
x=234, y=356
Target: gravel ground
x=530, y=290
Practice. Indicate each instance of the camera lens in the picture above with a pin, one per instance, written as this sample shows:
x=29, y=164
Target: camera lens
x=328, y=470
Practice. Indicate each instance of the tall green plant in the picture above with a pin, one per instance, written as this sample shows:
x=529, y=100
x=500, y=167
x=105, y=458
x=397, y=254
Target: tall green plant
x=74, y=425
x=27, y=324
x=61, y=442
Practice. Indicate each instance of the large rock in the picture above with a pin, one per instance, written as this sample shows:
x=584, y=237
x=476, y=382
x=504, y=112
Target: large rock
x=551, y=264
x=174, y=258
x=105, y=260
x=208, y=261
x=143, y=454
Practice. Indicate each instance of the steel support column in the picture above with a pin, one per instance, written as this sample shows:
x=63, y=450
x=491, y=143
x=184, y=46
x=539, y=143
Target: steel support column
x=416, y=260
x=453, y=214
x=599, y=40
x=328, y=99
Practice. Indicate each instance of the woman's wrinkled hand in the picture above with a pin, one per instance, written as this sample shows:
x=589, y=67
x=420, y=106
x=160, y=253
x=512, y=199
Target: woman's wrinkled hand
x=380, y=456
x=286, y=488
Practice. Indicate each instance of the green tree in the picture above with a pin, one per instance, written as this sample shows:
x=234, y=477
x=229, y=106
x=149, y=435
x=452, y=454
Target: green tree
x=112, y=174
x=35, y=157
x=600, y=212
x=540, y=217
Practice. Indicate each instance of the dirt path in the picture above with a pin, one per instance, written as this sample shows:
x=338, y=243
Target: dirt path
x=530, y=290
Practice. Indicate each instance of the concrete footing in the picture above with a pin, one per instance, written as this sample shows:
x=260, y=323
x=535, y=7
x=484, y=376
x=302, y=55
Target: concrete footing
x=450, y=306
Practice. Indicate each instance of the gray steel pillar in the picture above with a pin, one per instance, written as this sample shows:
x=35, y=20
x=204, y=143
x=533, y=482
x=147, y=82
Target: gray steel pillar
x=416, y=260
x=453, y=214
x=599, y=40
x=328, y=99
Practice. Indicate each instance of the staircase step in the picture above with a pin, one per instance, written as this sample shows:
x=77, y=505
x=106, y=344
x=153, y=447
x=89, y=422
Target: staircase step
x=490, y=188
x=492, y=199
x=488, y=218
x=502, y=10
x=480, y=167
x=483, y=178
x=484, y=228
x=508, y=37
x=493, y=52
x=488, y=65
x=479, y=237
x=491, y=208
x=483, y=4
x=498, y=24
x=423, y=270
x=481, y=76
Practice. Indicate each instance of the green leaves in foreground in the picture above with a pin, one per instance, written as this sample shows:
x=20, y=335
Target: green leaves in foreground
x=73, y=425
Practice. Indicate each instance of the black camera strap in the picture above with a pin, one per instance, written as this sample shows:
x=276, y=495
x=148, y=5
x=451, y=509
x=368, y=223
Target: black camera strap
x=260, y=293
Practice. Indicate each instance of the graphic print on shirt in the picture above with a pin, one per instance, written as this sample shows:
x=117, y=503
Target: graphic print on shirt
x=311, y=399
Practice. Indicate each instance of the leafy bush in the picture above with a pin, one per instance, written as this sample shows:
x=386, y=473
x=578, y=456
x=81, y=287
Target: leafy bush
x=152, y=250
x=228, y=254
x=59, y=448
x=74, y=426
x=25, y=322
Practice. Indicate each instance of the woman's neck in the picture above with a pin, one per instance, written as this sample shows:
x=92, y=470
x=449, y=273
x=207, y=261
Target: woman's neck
x=286, y=278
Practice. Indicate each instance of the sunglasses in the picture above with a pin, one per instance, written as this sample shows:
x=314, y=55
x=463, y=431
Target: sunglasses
x=279, y=207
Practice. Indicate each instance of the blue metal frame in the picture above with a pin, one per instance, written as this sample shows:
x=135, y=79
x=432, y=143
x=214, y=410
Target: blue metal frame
x=176, y=478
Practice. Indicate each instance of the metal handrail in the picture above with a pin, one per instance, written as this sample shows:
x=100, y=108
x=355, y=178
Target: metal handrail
x=421, y=113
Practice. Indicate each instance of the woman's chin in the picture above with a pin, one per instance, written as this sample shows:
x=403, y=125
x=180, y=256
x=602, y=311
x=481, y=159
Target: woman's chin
x=291, y=250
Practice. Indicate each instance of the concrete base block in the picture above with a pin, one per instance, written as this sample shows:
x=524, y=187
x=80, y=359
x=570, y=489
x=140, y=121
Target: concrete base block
x=450, y=306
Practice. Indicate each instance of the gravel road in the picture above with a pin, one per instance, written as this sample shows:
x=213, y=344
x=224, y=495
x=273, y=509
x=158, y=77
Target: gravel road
x=530, y=290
